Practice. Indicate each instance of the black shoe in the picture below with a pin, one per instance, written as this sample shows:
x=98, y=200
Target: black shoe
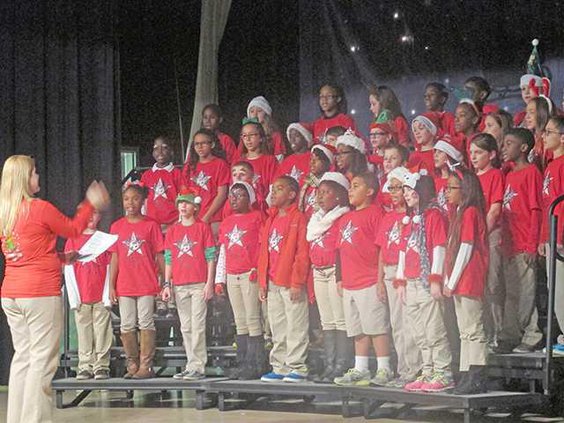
x=329, y=357
x=101, y=374
x=242, y=351
x=254, y=359
x=472, y=382
x=524, y=348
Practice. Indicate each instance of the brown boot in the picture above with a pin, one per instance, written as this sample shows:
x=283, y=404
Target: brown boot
x=147, y=354
x=131, y=348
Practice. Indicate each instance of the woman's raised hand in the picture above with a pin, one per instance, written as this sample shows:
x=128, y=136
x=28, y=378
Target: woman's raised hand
x=98, y=195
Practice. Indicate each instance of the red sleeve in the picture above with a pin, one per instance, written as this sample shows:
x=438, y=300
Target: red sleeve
x=301, y=260
x=169, y=236
x=208, y=237
x=278, y=144
x=436, y=230
x=179, y=180
x=223, y=174
x=114, y=231
x=69, y=245
x=402, y=130
x=468, y=226
x=64, y=226
x=381, y=236
x=378, y=219
x=497, y=188
x=535, y=189
x=157, y=238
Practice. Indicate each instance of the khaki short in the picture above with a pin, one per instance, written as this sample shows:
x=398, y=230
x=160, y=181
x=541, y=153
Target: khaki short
x=364, y=312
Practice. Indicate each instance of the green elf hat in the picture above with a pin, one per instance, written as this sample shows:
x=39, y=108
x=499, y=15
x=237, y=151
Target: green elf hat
x=189, y=196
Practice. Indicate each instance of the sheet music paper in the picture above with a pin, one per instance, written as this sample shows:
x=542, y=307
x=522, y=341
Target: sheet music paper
x=96, y=245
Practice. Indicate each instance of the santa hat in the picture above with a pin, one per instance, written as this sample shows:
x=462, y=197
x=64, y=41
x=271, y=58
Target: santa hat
x=398, y=173
x=430, y=120
x=472, y=103
x=249, y=188
x=261, y=103
x=189, y=196
x=383, y=126
x=350, y=139
x=302, y=128
x=337, y=177
x=535, y=77
x=446, y=147
x=328, y=150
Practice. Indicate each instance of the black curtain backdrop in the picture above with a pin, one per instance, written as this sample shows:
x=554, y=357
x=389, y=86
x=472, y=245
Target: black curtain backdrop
x=59, y=98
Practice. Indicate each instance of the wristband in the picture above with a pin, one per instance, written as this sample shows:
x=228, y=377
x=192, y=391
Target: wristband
x=166, y=284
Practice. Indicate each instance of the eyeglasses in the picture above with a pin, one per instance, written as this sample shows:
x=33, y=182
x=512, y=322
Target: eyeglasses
x=550, y=131
x=342, y=153
x=377, y=134
x=249, y=136
x=396, y=188
x=451, y=188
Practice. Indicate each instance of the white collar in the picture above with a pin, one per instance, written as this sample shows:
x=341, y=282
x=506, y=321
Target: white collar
x=169, y=167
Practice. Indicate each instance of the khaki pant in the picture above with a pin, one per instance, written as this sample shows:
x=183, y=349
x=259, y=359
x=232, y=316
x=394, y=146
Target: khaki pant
x=289, y=323
x=558, y=290
x=473, y=347
x=409, y=358
x=494, y=295
x=94, y=330
x=35, y=325
x=520, y=319
x=425, y=316
x=264, y=320
x=245, y=302
x=192, y=310
x=365, y=314
x=329, y=302
x=136, y=311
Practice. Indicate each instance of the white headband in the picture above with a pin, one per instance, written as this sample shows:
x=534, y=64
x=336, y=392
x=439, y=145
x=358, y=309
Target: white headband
x=337, y=177
x=325, y=151
x=426, y=122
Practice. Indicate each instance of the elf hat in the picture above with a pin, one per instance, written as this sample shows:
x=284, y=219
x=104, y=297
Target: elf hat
x=261, y=103
x=189, y=196
x=536, y=77
x=328, y=150
x=337, y=177
x=351, y=140
x=302, y=128
x=399, y=173
x=248, y=187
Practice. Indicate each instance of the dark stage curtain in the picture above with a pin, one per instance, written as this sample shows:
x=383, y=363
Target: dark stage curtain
x=59, y=98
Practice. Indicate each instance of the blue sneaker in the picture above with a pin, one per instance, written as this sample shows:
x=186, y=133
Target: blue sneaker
x=272, y=377
x=294, y=377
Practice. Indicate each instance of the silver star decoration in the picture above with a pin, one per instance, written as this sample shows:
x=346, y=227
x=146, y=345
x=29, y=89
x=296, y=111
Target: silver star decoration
x=347, y=233
x=310, y=198
x=202, y=180
x=134, y=244
x=508, y=196
x=185, y=247
x=296, y=173
x=394, y=234
x=546, y=183
x=412, y=242
x=159, y=189
x=255, y=179
x=441, y=199
x=318, y=242
x=274, y=241
x=235, y=237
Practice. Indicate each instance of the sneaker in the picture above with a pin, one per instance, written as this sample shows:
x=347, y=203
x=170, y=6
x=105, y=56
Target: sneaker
x=524, y=348
x=84, y=375
x=439, y=382
x=273, y=377
x=294, y=377
x=382, y=377
x=181, y=375
x=398, y=383
x=101, y=374
x=353, y=377
x=417, y=384
x=557, y=349
x=193, y=375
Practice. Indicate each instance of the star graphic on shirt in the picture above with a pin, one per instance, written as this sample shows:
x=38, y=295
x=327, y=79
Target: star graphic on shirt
x=441, y=199
x=202, y=180
x=134, y=244
x=310, y=198
x=508, y=197
x=318, y=242
x=185, y=246
x=274, y=241
x=347, y=232
x=296, y=173
x=235, y=237
x=412, y=242
x=394, y=234
x=546, y=184
x=159, y=189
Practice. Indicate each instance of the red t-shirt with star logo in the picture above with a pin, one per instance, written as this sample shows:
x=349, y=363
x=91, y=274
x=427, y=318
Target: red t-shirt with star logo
x=91, y=275
x=552, y=187
x=521, y=210
x=206, y=178
x=264, y=168
x=231, y=153
x=296, y=166
x=137, y=245
x=389, y=236
x=187, y=246
x=310, y=201
x=323, y=250
x=239, y=233
x=358, y=249
x=321, y=125
x=278, y=232
x=163, y=184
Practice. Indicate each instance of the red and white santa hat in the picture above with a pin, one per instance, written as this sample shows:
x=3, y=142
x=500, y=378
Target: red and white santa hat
x=337, y=177
x=445, y=145
x=349, y=138
x=261, y=103
x=399, y=173
x=249, y=188
x=327, y=150
x=472, y=104
x=302, y=128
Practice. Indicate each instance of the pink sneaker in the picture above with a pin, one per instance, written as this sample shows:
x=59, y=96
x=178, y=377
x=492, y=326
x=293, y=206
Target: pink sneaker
x=438, y=383
x=417, y=384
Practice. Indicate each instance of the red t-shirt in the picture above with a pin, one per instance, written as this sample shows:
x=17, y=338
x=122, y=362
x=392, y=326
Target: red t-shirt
x=187, y=246
x=38, y=272
x=137, y=245
x=90, y=276
x=206, y=178
x=240, y=234
x=389, y=236
x=276, y=142
x=276, y=235
x=436, y=235
x=402, y=130
x=486, y=110
x=323, y=250
x=163, y=184
x=231, y=154
x=473, y=231
x=296, y=166
x=310, y=201
x=358, y=249
x=446, y=122
x=493, y=184
x=552, y=187
x=521, y=204
x=518, y=118
x=440, y=188
x=264, y=168
x=322, y=124
x=423, y=160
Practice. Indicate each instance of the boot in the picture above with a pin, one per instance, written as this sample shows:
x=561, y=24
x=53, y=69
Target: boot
x=147, y=354
x=131, y=348
x=474, y=383
x=345, y=354
x=253, y=367
x=330, y=355
x=242, y=351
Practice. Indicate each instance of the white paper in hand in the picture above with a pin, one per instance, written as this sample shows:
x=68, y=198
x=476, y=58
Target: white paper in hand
x=96, y=245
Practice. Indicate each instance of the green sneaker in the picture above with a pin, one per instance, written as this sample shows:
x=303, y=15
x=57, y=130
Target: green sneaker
x=382, y=377
x=353, y=377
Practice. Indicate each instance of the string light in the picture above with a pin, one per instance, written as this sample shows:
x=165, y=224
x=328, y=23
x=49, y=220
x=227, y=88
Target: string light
x=353, y=111
x=396, y=15
x=354, y=49
x=413, y=111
